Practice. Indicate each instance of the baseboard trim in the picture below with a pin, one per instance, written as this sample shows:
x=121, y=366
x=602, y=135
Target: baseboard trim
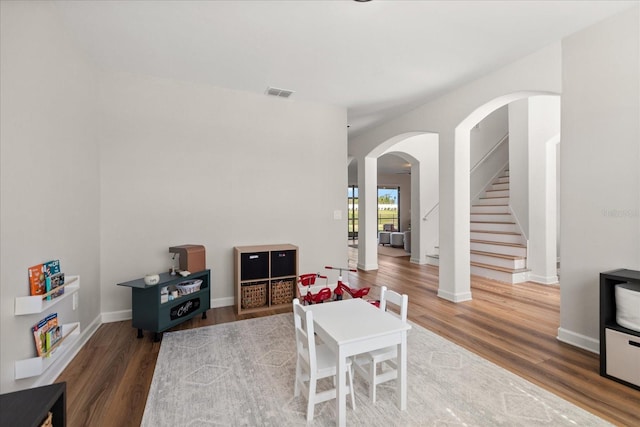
x=54, y=371
x=417, y=261
x=461, y=297
x=222, y=302
x=116, y=316
x=367, y=267
x=543, y=280
x=578, y=340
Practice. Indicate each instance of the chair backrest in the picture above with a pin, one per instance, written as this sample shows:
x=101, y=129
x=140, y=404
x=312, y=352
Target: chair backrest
x=400, y=303
x=388, y=227
x=305, y=338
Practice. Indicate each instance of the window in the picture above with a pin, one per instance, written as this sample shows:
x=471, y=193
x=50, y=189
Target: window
x=352, y=221
x=388, y=207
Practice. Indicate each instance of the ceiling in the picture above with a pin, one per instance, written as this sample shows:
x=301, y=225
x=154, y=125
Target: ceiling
x=378, y=59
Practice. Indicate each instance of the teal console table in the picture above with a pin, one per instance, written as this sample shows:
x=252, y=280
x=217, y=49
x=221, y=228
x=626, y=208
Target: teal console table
x=152, y=311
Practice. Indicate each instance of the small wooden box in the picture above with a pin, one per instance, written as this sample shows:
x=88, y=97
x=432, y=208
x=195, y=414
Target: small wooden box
x=192, y=257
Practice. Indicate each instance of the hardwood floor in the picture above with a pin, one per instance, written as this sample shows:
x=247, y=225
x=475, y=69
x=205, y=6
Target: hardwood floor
x=514, y=326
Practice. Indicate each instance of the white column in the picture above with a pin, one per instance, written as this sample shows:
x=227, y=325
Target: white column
x=368, y=213
x=455, y=271
x=544, y=127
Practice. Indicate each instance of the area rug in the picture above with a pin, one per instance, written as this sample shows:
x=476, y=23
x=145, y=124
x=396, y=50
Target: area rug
x=391, y=251
x=241, y=374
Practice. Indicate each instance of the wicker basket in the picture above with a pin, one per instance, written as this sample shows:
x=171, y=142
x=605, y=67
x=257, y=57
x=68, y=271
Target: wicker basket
x=254, y=295
x=281, y=292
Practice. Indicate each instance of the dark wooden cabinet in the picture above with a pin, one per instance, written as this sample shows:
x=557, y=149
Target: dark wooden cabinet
x=30, y=407
x=152, y=310
x=619, y=346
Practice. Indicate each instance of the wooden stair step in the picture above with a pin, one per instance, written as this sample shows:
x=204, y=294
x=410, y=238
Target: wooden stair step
x=495, y=255
x=490, y=242
x=492, y=222
x=503, y=269
x=512, y=233
x=489, y=213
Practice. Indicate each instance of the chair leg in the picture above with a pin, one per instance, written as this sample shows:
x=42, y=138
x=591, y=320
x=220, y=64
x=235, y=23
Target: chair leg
x=311, y=399
x=296, y=386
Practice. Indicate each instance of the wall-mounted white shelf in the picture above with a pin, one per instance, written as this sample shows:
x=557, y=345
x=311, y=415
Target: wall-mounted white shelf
x=35, y=366
x=38, y=303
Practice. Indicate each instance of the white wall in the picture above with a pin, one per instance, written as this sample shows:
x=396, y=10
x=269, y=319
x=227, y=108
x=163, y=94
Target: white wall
x=191, y=164
x=600, y=154
x=519, y=163
x=49, y=173
x=538, y=73
x=106, y=171
x=484, y=138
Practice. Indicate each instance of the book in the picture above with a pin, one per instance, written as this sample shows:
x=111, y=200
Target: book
x=53, y=336
x=50, y=269
x=37, y=283
x=40, y=333
x=54, y=282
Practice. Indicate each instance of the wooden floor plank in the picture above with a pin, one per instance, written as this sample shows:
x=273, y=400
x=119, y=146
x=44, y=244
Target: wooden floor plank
x=513, y=326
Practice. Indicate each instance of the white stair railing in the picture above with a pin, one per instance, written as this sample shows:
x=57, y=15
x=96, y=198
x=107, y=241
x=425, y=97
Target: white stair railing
x=478, y=163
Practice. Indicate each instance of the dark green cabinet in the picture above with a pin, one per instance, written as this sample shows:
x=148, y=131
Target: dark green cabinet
x=153, y=311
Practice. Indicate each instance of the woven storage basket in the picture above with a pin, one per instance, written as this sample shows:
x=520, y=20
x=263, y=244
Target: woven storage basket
x=281, y=292
x=254, y=295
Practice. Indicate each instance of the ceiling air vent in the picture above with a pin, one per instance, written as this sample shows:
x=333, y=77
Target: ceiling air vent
x=282, y=93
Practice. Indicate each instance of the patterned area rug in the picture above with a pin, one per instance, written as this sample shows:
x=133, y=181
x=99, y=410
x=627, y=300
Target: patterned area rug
x=241, y=374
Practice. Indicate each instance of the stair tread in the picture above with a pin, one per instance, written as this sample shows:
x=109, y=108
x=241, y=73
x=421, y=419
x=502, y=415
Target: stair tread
x=495, y=255
x=490, y=213
x=490, y=242
x=475, y=206
x=503, y=269
x=512, y=233
x=494, y=197
x=492, y=222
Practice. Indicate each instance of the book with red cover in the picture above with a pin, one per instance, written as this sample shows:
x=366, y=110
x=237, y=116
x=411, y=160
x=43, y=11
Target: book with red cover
x=37, y=280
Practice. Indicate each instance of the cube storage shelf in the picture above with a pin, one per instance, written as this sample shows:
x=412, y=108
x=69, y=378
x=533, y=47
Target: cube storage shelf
x=265, y=276
x=619, y=346
x=151, y=313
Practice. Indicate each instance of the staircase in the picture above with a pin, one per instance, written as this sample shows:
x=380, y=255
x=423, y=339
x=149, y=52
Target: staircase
x=498, y=249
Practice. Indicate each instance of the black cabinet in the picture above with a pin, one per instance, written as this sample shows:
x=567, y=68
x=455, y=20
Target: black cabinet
x=619, y=346
x=30, y=407
x=155, y=309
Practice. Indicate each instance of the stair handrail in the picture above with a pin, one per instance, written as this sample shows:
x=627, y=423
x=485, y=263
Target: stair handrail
x=489, y=153
x=482, y=159
x=432, y=210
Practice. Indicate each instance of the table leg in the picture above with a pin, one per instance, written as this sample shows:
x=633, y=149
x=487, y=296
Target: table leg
x=402, y=372
x=341, y=401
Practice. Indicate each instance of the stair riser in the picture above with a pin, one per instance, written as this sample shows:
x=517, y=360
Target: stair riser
x=494, y=201
x=502, y=180
x=504, y=186
x=498, y=249
x=500, y=238
x=500, y=276
x=499, y=262
x=497, y=193
x=491, y=217
x=489, y=209
x=491, y=226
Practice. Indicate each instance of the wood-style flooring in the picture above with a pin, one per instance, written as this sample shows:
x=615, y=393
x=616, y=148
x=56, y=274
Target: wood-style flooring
x=514, y=326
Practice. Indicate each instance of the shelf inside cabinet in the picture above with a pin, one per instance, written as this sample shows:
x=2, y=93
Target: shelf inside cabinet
x=38, y=303
x=35, y=366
